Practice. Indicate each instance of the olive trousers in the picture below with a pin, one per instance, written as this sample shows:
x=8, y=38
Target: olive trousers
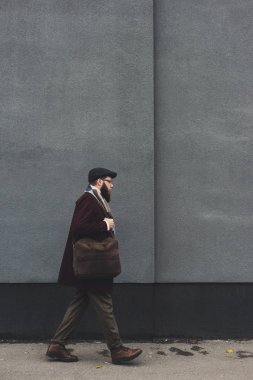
x=102, y=303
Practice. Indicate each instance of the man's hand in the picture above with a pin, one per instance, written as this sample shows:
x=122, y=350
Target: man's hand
x=110, y=223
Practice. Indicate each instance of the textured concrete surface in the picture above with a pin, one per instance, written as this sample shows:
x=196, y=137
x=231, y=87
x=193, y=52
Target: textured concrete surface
x=76, y=92
x=204, y=116
x=194, y=360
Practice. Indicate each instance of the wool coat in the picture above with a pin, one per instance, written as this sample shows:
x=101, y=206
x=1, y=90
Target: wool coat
x=87, y=221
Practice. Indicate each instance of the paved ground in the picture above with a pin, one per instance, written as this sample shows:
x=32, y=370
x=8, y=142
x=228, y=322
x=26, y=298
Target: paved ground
x=204, y=360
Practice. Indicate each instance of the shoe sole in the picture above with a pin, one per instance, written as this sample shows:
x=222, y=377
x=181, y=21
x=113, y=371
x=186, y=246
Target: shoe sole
x=56, y=358
x=119, y=361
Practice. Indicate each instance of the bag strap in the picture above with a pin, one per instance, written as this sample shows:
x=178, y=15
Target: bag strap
x=106, y=213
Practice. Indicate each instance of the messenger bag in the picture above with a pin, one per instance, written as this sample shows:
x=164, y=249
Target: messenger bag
x=94, y=260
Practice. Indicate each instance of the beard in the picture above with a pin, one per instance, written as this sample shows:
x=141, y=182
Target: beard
x=105, y=193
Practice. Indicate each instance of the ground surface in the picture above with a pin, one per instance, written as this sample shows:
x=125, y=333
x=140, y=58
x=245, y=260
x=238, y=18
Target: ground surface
x=201, y=360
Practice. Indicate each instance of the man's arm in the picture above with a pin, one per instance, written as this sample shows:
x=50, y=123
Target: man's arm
x=87, y=220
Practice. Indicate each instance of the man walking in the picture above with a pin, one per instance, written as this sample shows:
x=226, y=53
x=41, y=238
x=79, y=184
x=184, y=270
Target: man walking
x=89, y=221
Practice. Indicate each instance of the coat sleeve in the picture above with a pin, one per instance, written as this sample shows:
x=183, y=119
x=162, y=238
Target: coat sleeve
x=88, y=220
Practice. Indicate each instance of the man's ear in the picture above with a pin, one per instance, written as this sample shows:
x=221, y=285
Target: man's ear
x=99, y=182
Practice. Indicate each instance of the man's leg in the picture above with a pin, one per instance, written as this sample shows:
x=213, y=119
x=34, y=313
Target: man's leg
x=56, y=350
x=72, y=317
x=102, y=303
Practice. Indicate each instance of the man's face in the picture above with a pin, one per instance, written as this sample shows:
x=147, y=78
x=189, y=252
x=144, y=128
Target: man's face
x=106, y=188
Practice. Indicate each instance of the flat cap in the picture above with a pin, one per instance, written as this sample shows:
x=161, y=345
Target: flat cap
x=100, y=173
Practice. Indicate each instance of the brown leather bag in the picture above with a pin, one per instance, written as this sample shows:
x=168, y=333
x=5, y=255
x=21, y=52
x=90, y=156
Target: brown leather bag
x=94, y=260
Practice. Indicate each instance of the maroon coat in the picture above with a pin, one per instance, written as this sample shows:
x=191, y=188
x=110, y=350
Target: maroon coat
x=87, y=221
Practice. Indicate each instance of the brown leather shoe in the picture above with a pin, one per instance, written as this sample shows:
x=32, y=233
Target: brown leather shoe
x=58, y=352
x=124, y=354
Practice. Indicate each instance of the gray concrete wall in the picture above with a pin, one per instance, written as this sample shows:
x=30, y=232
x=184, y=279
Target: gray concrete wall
x=204, y=140
x=76, y=92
